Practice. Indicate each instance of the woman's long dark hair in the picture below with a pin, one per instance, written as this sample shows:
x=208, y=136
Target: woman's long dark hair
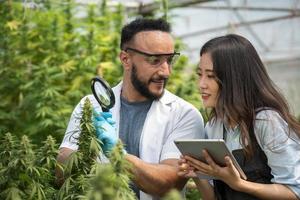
x=244, y=86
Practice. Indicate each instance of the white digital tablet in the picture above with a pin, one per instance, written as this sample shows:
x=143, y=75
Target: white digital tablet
x=215, y=147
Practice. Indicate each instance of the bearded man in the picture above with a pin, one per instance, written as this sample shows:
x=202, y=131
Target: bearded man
x=148, y=117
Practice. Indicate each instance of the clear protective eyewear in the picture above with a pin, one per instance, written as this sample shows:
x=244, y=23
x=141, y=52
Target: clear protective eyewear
x=157, y=59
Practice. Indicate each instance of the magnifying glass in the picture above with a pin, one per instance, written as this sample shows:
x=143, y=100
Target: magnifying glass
x=103, y=93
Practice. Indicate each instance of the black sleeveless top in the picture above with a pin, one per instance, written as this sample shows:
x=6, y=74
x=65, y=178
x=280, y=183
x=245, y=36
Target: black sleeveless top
x=256, y=170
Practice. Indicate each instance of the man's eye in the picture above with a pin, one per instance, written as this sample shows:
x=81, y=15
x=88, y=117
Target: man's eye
x=170, y=60
x=153, y=60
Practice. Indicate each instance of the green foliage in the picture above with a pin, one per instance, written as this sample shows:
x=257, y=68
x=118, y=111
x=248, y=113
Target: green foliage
x=193, y=194
x=173, y=195
x=26, y=175
x=27, y=171
x=47, y=59
x=88, y=179
x=122, y=174
x=102, y=185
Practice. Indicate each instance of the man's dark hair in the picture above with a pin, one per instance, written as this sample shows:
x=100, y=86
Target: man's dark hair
x=142, y=24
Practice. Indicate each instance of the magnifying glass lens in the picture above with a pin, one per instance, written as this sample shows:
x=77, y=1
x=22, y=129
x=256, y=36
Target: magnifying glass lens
x=103, y=93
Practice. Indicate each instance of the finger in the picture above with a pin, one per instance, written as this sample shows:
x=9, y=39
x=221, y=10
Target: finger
x=190, y=158
x=99, y=124
x=228, y=162
x=180, y=161
x=198, y=166
x=99, y=118
x=184, y=167
x=208, y=159
x=195, y=166
x=184, y=170
x=193, y=160
x=106, y=115
x=182, y=173
x=111, y=121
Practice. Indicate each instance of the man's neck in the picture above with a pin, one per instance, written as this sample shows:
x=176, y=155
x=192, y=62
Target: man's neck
x=129, y=93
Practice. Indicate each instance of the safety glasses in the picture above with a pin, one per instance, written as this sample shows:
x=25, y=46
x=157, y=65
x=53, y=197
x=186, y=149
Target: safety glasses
x=157, y=59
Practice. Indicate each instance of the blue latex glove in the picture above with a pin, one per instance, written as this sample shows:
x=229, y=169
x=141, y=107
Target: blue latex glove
x=106, y=131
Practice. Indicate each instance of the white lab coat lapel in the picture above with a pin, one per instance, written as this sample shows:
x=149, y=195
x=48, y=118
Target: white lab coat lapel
x=155, y=129
x=116, y=109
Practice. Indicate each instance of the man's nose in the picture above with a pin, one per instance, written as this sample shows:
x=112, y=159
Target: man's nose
x=165, y=68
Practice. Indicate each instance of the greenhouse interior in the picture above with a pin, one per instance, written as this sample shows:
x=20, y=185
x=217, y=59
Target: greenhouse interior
x=271, y=26
x=50, y=50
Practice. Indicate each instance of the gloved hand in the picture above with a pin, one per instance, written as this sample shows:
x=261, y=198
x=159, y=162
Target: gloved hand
x=106, y=131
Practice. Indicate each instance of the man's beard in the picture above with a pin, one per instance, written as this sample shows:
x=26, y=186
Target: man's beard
x=142, y=87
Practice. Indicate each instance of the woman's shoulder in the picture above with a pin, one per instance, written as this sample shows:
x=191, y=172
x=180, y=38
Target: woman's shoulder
x=270, y=127
x=269, y=117
x=267, y=113
x=269, y=120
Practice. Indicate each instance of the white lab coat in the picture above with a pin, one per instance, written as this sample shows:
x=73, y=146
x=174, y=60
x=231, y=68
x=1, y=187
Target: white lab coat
x=168, y=119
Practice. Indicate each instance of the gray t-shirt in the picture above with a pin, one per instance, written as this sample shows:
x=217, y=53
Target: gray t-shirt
x=132, y=118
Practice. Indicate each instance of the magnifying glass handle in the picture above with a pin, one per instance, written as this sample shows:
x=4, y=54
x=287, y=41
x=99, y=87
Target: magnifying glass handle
x=105, y=109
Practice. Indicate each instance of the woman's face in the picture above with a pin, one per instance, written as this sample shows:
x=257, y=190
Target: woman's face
x=208, y=85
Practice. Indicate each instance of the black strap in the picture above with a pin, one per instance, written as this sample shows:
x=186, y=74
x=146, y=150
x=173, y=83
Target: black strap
x=224, y=133
x=262, y=175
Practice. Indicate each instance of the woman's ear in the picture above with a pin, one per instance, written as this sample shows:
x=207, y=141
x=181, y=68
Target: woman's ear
x=125, y=60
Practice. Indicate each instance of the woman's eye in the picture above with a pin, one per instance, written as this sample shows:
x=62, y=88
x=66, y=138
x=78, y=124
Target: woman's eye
x=211, y=76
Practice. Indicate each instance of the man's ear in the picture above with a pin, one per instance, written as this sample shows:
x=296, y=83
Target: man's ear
x=125, y=60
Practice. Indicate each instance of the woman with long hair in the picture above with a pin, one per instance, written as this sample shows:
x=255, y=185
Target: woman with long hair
x=248, y=112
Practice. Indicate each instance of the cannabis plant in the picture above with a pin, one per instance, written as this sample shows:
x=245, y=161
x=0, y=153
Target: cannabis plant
x=85, y=177
x=27, y=170
x=173, y=195
x=20, y=174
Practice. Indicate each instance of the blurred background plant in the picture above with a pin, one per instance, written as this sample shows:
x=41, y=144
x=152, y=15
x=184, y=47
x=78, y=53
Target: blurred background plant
x=50, y=50
x=48, y=57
